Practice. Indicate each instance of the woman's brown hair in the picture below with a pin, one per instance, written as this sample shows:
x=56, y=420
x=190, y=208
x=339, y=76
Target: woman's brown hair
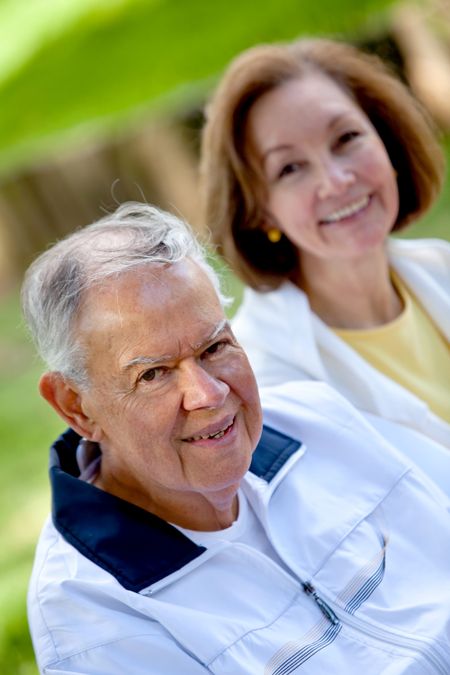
x=230, y=183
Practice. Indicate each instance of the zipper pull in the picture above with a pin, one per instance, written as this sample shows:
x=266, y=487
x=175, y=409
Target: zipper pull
x=322, y=605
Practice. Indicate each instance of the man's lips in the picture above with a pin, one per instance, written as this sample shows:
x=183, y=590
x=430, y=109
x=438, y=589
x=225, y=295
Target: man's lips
x=212, y=431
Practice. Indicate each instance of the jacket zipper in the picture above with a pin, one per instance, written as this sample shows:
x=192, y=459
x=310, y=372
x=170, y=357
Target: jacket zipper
x=433, y=654
x=323, y=606
x=336, y=615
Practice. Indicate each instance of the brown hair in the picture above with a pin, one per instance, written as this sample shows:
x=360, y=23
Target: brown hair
x=229, y=182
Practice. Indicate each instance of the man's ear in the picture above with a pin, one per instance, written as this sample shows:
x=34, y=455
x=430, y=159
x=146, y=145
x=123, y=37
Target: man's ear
x=64, y=397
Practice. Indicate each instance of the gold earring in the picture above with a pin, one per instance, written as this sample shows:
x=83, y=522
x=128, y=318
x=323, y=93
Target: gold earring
x=273, y=235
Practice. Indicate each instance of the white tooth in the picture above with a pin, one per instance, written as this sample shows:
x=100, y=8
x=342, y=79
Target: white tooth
x=219, y=434
x=347, y=210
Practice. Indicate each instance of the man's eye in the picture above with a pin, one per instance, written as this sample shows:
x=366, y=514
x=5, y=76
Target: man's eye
x=150, y=375
x=216, y=347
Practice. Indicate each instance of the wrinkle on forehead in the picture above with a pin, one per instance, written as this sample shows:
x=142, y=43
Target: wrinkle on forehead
x=118, y=308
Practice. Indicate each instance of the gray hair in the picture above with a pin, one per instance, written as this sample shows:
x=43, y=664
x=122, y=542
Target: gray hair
x=134, y=235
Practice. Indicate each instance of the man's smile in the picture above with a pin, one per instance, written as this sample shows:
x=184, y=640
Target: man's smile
x=215, y=431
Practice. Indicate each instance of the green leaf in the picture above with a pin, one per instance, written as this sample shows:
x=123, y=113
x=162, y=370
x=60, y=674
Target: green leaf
x=91, y=66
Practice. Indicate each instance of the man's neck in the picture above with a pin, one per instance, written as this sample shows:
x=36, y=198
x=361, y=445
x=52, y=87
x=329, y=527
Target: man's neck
x=191, y=510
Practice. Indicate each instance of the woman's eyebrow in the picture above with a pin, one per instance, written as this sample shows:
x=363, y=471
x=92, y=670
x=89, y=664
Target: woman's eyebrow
x=276, y=148
x=332, y=122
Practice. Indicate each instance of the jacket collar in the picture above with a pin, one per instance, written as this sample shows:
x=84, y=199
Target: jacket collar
x=133, y=545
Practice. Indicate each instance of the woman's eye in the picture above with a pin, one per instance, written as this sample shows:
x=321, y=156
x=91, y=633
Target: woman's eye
x=347, y=137
x=287, y=169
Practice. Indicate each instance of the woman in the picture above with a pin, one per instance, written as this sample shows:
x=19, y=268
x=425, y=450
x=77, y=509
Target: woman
x=313, y=152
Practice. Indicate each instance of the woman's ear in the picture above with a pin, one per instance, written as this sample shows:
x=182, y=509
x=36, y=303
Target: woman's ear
x=65, y=398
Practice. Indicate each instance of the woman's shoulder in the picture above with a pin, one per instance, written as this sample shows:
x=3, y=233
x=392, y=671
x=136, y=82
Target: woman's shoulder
x=419, y=249
x=262, y=304
x=267, y=325
x=262, y=313
x=432, y=256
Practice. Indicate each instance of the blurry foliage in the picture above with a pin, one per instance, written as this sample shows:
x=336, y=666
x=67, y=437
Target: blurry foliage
x=26, y=425
x=436, y=223
x=92, y=64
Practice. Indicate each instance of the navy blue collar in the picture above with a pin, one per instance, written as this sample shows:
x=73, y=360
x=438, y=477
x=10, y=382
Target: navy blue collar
x=133, y=545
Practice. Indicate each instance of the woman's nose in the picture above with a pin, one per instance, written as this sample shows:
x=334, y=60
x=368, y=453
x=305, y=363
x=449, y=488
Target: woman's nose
x=334, y=179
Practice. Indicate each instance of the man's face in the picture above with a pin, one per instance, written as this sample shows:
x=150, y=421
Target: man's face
x=172, y=397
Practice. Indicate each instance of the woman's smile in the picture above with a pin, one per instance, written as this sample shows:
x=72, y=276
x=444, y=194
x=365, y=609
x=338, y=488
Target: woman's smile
x=346, y=212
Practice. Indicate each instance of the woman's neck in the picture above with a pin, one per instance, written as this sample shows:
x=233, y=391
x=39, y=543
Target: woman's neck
x=355, y=294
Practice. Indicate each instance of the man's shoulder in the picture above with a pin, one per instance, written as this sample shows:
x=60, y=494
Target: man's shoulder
x=68, y=594
x=327, y=424
x=309, y=401
x=335, y=432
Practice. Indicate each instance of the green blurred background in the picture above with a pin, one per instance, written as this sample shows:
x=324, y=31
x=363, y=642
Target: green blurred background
x=100, y=101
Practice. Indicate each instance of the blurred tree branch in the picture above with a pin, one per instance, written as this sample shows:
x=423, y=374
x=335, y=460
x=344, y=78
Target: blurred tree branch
x=422, y=30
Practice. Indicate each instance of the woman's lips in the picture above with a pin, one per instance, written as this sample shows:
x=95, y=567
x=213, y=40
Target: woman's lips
x=347, y=211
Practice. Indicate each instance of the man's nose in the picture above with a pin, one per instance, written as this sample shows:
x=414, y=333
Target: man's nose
x=201, y=389
x=334, y=178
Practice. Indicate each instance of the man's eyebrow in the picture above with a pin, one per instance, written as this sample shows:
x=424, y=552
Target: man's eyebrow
x=163, y=358
x=221, y=326
x=147, y=361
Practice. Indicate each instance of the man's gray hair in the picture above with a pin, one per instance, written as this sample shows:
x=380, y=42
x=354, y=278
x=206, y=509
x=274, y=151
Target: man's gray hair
x=52, y=293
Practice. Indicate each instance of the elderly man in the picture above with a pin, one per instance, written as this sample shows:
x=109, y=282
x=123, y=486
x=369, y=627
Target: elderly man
x=177, y=547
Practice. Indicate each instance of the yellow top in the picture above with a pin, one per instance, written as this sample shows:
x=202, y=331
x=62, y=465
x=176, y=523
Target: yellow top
x=410, y=350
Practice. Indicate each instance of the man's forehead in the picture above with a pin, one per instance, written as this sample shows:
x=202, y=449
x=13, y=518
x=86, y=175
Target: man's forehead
x=152, y=286
x=148, y=316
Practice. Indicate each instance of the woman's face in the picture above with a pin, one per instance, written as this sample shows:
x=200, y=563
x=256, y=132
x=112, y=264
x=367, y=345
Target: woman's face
x=329, y=184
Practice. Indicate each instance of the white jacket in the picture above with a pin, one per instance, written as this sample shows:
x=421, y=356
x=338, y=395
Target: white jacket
x=286, y=341
x=365, y=540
